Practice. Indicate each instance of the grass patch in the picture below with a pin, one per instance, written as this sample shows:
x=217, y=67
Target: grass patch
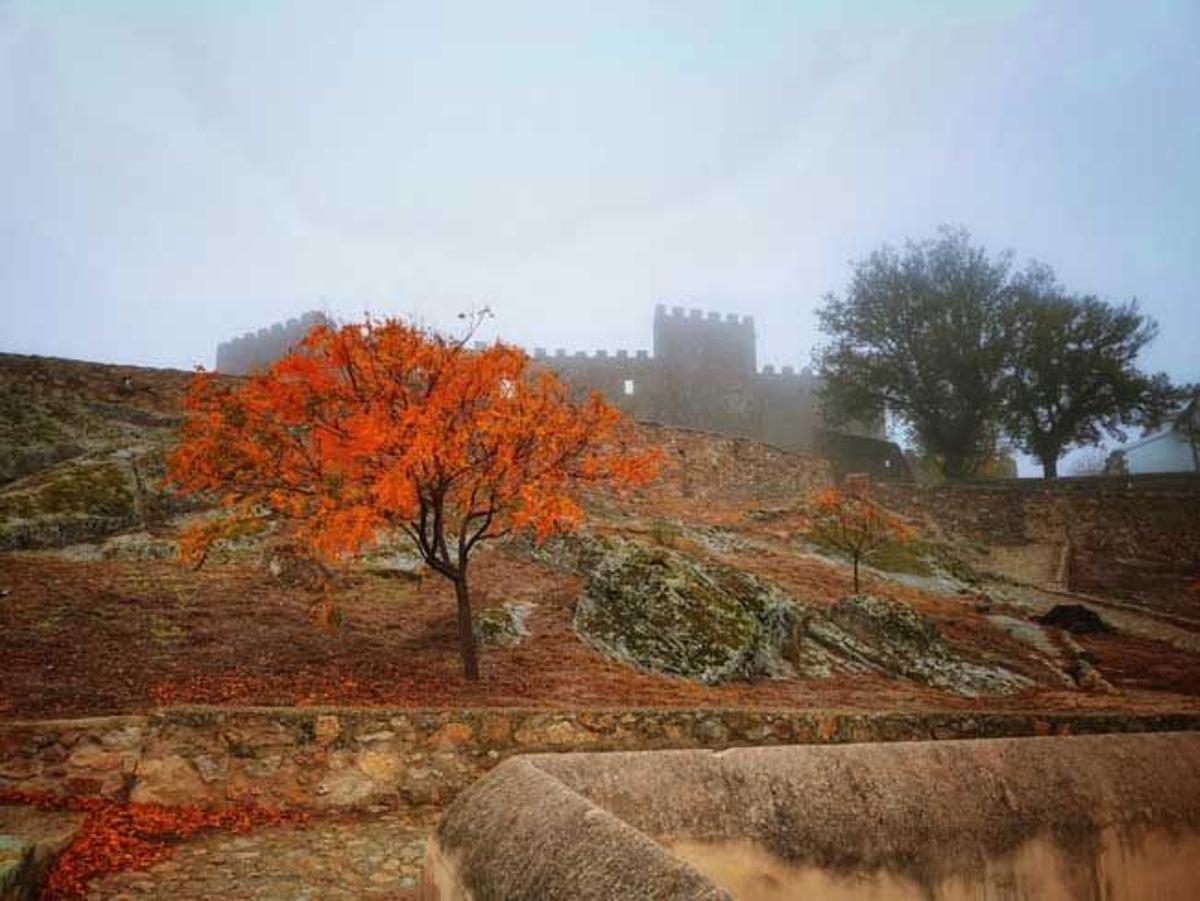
x=914, y=557
x=97, y=489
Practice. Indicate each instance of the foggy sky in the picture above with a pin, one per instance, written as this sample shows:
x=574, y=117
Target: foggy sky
x=175, y=174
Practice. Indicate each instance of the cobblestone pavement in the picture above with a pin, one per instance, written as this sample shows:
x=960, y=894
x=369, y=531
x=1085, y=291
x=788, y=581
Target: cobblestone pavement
x=372, y=855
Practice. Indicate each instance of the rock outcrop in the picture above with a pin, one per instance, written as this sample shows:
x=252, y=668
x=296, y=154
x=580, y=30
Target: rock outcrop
x=502, y=626
x=664, y=611
x=1075, y=618
x=30, y=841
x=891, y=637
x=659, y=610
x=82, y=449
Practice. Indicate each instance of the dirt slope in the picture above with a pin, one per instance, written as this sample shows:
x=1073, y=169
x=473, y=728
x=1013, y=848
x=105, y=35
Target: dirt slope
x=97, y=617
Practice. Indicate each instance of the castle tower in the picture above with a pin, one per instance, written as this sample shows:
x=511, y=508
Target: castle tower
x=257, y=350
x=707, y=347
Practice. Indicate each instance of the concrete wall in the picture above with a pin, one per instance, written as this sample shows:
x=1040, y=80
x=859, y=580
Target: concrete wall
x=343, y=757
x=1115, y=816
x=1169, y=451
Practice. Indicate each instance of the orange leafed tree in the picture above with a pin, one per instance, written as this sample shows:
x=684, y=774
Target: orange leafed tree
x=850, y=520
x=383, y=426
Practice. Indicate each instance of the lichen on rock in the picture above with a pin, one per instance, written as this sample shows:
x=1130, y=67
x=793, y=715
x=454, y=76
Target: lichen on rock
x=659, y=610
x=502, y=626
x=890, y=636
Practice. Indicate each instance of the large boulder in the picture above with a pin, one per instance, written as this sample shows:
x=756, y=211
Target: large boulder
x=1075, y=618
x=662, y=611
x=889, y=636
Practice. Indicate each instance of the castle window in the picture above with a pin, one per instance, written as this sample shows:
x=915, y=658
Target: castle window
x=628, y=387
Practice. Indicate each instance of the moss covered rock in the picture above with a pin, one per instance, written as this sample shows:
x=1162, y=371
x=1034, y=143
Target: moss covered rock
x=502, y=626
x=889, y=636
x=76, y=501
x=659, y=610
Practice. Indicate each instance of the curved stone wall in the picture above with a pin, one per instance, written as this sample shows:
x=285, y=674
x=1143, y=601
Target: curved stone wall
x=1046, y=818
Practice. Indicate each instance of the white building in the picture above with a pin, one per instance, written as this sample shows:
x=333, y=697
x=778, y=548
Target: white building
x=1175, y=448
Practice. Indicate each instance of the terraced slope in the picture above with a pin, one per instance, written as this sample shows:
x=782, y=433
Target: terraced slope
x=97, y=616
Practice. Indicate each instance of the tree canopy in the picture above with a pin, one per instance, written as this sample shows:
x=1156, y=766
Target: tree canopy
x=383, y=426
x=1072, y=377
x=920, y=334
x=969, y=354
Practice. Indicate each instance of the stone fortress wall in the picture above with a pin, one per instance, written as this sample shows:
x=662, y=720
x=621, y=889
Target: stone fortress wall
x=701, y=374
x=257, y=350
x=329, y=757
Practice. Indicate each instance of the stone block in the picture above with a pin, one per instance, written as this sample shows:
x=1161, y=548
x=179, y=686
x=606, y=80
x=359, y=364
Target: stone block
x=345, y=788
x=170, y=780
x=382, y=766
x=453, y=734
x=326, y=729
x=496, y=729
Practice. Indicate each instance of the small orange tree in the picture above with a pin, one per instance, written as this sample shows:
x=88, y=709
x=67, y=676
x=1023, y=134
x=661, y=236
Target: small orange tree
x=382, y=425
x=851, y=521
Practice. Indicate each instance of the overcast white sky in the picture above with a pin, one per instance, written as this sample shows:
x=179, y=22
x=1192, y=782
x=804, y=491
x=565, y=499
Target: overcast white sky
x=177, y=173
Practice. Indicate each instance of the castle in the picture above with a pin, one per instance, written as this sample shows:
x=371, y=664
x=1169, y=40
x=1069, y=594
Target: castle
x=702, y=374
x=256, y=350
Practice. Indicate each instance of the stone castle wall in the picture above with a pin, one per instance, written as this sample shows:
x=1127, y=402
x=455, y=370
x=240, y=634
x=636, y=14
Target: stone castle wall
x=346, y=757
x=1135, y=536
x=257, y=350
x=702, y=374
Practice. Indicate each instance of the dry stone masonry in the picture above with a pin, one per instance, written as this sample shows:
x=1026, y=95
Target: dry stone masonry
x=346, y=757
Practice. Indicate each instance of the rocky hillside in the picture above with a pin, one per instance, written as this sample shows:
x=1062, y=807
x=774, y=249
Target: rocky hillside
x=81, y=449
x=704, y=587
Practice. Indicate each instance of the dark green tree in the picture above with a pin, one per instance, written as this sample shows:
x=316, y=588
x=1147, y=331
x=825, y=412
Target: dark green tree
x=1072, y=378
x=920, y=335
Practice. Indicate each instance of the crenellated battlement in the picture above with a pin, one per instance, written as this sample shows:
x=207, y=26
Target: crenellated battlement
x=620, y=360
x=702, y=373
x=694, y=314
x=258, y=349
x=618, y=357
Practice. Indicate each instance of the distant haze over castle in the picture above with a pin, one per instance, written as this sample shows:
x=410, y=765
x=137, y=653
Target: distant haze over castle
x=257, y=350
x=702, y=374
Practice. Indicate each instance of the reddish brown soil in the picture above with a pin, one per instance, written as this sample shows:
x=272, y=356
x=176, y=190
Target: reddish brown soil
x=91, y=638
x=1133, y=664
x=80, y=638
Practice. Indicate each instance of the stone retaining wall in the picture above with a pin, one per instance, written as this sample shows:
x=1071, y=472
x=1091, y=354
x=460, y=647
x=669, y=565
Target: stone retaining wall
x=1136, y=535
x=324, y=757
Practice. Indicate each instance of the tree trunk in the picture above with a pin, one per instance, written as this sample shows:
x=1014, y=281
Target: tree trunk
x=466, y=632
x=1050, y=468
x=956, y=467
x=856, y=574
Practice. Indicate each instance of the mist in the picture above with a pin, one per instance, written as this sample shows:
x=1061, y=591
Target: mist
x=178, y=174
